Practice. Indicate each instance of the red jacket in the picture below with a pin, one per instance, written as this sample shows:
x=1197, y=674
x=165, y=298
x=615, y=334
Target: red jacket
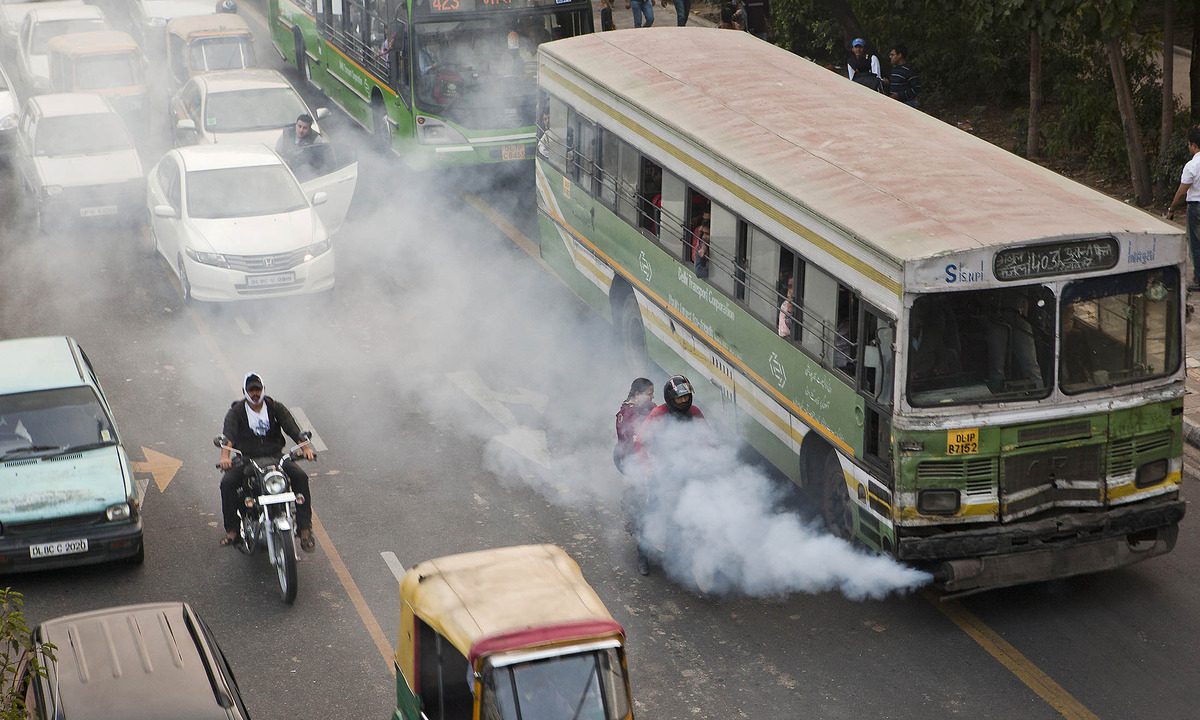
x=629, y=420
x=656, y=417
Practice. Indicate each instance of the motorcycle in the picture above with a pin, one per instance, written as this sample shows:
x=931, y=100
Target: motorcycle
x=267, y=511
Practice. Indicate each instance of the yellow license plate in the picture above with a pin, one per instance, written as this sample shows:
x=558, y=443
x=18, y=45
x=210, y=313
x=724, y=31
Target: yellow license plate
x=962, y=442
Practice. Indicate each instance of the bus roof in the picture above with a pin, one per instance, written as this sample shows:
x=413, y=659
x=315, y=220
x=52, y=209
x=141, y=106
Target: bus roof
x=891, y=177
x=506, y=599
x=94, y=42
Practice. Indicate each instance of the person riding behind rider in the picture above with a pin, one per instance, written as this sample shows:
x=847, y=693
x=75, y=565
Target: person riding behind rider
x=254, y=426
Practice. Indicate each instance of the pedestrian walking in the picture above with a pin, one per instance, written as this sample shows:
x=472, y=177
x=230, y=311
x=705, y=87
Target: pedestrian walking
x=643, y=12
x=1189, y=190
x=903, y=83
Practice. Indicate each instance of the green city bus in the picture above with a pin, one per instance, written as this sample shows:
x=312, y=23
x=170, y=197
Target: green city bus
x=440, y=82
x=974, y=364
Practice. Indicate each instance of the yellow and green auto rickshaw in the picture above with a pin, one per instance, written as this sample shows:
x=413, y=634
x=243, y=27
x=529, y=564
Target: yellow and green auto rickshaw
x=508, y=634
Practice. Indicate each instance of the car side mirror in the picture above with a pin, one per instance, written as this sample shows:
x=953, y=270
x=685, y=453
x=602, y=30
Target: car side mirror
x=320, y=197
x=164, y=211
x=186, y=125
x=220, y=441
x=322, y=113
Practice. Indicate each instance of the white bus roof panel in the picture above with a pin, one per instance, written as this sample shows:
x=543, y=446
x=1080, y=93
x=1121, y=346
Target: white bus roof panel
x=897, y=179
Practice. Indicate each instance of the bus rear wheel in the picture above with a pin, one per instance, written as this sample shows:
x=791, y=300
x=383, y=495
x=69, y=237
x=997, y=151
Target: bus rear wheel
x=835, y=503
x=632, y=336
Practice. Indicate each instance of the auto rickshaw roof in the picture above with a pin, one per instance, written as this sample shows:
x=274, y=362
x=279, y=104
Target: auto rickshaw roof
x=506, y=599
x=215, y=24
x=95, y=42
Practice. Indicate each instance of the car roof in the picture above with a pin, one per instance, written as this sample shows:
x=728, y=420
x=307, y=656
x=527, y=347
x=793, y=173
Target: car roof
x=135, y=662
x=66, y=12
x=97, y=41
x=226, y=155
x=247, y=79
x=214, y=24
x=60, y=104
x=39, y=363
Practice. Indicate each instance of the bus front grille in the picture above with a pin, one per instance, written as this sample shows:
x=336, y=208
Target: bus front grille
x=1062, y=477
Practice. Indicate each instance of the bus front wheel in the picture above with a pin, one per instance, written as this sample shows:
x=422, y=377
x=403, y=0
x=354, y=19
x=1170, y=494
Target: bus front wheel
x=835, y=503
x=301, y=58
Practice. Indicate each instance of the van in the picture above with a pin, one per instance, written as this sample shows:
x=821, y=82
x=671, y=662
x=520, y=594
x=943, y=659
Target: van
x=204, y=43
x=107, y=63
x=134, y=662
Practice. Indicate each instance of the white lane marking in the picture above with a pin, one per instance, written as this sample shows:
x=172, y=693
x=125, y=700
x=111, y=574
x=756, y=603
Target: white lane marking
x=393, y=564
x=305, y=424
x=525, y=441
x=142, y=484
x=243, y=325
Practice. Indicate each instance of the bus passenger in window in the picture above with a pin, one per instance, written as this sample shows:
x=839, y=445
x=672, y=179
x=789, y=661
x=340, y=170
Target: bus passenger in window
x=700, y=261
x=933, y=344
x=786, y=308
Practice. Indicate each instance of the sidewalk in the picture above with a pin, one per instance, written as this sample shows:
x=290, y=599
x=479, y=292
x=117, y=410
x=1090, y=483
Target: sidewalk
x=663, y=16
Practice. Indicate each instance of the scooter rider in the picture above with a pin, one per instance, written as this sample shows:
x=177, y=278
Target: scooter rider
x=255, y=426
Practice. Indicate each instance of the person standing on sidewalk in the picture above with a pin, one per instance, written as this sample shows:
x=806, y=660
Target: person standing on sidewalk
x=1189, y=190
x=641, y=9
x=683, y=9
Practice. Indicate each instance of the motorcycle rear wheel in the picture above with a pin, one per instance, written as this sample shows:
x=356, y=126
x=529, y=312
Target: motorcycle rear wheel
x=285, y=565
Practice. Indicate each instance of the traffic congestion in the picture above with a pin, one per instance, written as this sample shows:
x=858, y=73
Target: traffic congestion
x=316, y=315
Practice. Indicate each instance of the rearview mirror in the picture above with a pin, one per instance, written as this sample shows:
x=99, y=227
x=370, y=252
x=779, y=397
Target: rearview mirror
x=320, y=197
x=164, y=211
x=322, y=113
x=186, y=124
x=220, y=441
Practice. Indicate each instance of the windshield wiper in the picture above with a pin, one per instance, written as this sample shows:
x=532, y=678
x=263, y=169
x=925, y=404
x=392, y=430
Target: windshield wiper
x=30, y=449
x=81, y=448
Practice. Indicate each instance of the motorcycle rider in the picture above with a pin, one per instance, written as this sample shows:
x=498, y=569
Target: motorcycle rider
x=255, y=426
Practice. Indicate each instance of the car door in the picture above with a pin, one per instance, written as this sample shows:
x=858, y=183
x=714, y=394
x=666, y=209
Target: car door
x=163, y=189
x=26, y=167
x=331, y=168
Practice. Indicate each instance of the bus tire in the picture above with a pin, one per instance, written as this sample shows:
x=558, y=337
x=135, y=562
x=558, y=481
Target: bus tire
x=631, y=335
x=836, y=508
x=301, y=57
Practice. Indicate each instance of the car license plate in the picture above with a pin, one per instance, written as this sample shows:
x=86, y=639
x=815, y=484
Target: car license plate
x=962, y=442
x=512, y=152
x=98, y=211
x=270, y=280
x=63, y=547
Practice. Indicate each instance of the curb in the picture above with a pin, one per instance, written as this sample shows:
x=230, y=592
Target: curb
x=1191, y=432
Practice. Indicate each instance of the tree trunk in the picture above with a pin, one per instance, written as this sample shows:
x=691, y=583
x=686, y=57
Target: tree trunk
x=1168, y=79
x=1139, y=173
x=1035, y=93
x=842, y=14
x=1194, y=66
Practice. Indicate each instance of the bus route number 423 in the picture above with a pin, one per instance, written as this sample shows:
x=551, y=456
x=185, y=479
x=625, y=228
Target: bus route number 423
x=962, y=442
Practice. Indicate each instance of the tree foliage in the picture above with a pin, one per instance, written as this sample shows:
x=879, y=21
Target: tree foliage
x=16, y=641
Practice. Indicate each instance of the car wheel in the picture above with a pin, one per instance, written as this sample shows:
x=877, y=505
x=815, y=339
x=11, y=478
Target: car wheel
x=185, y=287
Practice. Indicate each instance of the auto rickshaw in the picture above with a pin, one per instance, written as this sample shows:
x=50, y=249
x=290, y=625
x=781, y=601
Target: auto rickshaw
x=204, y=43
x=105, y=62
x=508, y=634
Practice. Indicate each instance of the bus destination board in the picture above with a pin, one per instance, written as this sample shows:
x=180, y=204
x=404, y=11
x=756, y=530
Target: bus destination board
x=1060, y=258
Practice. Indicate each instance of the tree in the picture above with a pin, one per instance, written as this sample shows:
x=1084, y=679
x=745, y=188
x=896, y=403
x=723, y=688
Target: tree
x=16, y=640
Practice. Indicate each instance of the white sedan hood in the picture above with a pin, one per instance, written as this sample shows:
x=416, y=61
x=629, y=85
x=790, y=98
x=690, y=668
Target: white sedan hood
x=259, y=235
x=99, y=169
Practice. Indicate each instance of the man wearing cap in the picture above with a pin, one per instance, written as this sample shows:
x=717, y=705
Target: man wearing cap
x=255, y=425
x=865, y=63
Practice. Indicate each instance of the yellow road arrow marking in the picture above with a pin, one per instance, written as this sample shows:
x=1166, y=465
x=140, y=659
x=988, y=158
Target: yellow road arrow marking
x=162, y=467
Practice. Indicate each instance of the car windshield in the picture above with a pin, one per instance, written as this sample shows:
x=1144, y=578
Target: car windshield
x=221, y=53
x=80, y=135
x=256, y=109
x=981, y=346
x=582, y=686
x=107, y=71
x=1119, y=330
x=222, y=193
x=46, y=30
x=50, y=421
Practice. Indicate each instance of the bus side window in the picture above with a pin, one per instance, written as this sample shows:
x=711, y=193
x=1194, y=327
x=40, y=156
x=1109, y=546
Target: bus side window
x=607, y=168
x=723, y=250
x=878, y=357
x=629, y=168
x=556, y=135
x=649, y=199
x=761, y=292
x=673, y=231
x=845, y=339
x=820, y=313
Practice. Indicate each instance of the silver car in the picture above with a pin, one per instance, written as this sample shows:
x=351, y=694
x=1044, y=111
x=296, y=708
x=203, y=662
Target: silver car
x=239, y=106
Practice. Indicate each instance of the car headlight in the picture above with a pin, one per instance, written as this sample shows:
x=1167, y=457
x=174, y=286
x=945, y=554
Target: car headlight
x=938, y=502
x=8, y=122
x=436, y=132
x=120, y=511
x=316, y=249
x=207, y=258
x=1151, y=473
x=274, y=485
x=52, y=190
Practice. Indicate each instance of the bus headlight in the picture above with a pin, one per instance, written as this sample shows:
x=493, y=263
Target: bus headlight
x=436, y=132
x=938, y=502
x=1151, y=473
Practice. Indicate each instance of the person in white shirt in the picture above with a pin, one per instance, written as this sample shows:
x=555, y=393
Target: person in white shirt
x=867, y=64
x=1188, y=189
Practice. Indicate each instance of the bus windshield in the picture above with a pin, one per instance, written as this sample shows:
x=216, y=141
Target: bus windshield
x=481, y=73
x=584, y=686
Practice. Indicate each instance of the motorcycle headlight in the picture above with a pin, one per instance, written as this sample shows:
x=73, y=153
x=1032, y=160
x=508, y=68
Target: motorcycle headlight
x=275, y=485
x=436, y=132
x=208, y=258
x=316, y=249
x=120, y=511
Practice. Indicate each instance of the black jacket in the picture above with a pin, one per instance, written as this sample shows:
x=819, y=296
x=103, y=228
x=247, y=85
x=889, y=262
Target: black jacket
x=237, y=429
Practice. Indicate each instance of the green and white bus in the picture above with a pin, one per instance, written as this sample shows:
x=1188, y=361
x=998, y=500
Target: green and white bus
x=440, y=82
x=974, y=363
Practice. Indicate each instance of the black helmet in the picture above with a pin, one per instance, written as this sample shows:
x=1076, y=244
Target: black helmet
x=227, y=6
x=677, y=393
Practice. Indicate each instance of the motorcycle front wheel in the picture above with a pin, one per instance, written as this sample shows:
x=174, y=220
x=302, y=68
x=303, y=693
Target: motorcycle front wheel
x=285, y=564
x=249, y=535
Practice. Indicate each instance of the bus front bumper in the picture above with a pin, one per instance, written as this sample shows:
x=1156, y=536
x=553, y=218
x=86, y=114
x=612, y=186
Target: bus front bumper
x=1056, y=547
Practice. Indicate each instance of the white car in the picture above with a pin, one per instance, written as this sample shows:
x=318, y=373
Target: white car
x=240, y=106
x=233, y=222
x=37, y=29
x=12, y=13
x=10, y=106
x=76, y=160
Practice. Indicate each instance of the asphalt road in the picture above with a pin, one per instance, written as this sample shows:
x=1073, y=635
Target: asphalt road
x=466, y=401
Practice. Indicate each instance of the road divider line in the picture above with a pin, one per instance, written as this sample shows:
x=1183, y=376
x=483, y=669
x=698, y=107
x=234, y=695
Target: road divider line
x=305, y=424
x=1003, y=651
x=243, y=325
x=393, y=564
